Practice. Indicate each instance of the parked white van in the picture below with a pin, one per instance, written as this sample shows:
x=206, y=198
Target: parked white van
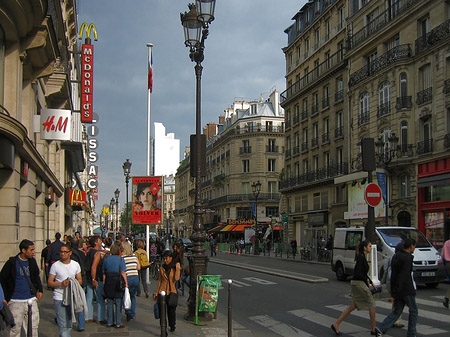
x=427, y=265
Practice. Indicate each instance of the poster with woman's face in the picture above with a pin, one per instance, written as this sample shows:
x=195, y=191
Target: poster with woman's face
x=147, y=198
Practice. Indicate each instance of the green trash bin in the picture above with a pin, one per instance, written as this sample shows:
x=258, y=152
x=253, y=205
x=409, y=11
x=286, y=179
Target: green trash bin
x=208, y=292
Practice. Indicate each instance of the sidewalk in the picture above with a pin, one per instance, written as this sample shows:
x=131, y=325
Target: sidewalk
x=144, y=325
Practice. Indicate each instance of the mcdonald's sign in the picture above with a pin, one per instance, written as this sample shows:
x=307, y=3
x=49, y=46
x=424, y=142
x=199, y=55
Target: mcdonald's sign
x=88, y=31
x=87, y=72
x=77, y=198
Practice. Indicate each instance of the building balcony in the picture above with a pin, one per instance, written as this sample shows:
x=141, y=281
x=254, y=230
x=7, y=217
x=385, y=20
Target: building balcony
x=363, y=118
x=447, y=87
x=380, y=22
x=384, y=109
x=287, y=153
x=296, y=120
x=403, y=103
x=338, y=96
x=393, y=55
x=314, y=142
x=333, y=63
x=314, y=109
x=304, y=115
x=424, y=96
x=295, y=150
x=219, y=179
x=339, y=132
x=314, y=177
x=425, y=146
x=304, y=147
x=326, y=103
x=271, y=149
x=287, y=124
x=245, y=150
x=238, y=198
x=326, y=138
x=438, y=34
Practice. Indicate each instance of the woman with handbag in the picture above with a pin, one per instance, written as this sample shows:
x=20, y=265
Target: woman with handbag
x=115, y=281
x=133, y=268
x=142, y=256
x=362, y=298
x=169, y=273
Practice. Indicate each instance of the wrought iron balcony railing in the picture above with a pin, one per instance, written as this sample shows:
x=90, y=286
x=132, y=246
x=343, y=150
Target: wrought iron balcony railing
x=296, y=150
x=424, y=96
x=271, y=148
x=425, y=146
x=236, y=198
x=314, y=109
x=245, y=150
x=404, y=102
x=328, y=172
x=338, y=96
x=393, y=55
x=363, y=118
x=384, y=109
x=304, y=146
x=325, y=102
x=339, y=132
x=326, y=138
x=314, y=142
x=436, y=35
x=304, y=115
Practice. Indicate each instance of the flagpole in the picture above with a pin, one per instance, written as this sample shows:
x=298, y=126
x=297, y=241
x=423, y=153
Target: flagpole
x=149, y=147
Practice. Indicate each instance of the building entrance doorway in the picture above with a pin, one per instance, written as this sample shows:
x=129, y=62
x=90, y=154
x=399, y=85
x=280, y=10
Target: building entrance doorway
x=314, y=239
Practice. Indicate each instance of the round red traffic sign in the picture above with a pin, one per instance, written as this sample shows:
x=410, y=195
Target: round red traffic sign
x=373, y=194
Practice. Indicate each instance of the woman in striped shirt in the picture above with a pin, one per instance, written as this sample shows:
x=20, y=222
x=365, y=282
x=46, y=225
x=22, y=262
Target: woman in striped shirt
x=133, y=267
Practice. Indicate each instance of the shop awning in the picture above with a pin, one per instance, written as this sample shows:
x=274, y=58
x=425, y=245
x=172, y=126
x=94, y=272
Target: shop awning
x=278, y=228
x=439, y=179
x=240, y=228
x=216, y=229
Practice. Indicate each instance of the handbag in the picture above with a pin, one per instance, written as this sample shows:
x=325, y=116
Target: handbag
x=33, y=289
x=376, y=291
x=172, y=300
x=156, y=310
x=126, y=299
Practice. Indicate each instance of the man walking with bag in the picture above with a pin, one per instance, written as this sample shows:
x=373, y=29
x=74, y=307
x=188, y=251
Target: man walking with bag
x=21, y=282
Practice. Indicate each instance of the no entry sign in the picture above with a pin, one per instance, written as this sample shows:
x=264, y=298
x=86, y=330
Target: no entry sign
x=373, y=194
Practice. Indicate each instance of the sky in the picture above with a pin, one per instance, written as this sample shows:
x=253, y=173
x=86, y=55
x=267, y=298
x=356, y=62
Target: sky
x=243, y=59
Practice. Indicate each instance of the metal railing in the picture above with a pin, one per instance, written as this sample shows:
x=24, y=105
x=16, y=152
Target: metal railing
x=425, y=146
x=243, y=197
x=425, y=96
x=384, y=109
x=338, y=96
x=436, y=35
x=363, y=118
x=404, y=102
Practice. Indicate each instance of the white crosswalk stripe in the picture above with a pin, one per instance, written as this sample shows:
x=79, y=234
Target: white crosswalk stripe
x=279, y=327
x=421, y=328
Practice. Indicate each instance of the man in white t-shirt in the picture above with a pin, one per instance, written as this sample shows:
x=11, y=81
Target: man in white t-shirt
x=59, y=275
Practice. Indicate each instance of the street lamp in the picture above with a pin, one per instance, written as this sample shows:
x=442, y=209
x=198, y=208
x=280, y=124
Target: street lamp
x=196, y=28
x=111, y=212
x=387, y=149
x=256, y=189
x=116, y=195
x=126, y=172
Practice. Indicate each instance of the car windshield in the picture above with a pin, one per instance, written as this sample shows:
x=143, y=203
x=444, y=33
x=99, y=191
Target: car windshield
x=393, y=236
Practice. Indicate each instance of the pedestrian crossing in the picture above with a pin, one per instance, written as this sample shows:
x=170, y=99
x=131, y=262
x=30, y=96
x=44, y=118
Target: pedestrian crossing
x=431, y=323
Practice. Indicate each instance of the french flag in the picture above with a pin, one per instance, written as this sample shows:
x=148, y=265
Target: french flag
x=150, y=72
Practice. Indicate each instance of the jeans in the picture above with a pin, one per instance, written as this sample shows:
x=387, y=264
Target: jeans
x=115, y=305
x=143, y=277
x=90, y=301
x=20, y=312
x=64, y=319
x=101, y=305
x=133, y=286
x=80, y=318
x=399, y=304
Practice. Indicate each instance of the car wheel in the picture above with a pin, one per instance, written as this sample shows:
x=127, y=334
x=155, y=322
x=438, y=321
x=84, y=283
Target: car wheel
x=340, y=273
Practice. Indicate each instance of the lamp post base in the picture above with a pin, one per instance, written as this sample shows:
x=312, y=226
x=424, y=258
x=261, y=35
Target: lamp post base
x=198, y=266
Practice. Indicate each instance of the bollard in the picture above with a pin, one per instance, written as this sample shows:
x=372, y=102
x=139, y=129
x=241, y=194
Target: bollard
x=162, y=314
x=30, y=318
x=230, y=316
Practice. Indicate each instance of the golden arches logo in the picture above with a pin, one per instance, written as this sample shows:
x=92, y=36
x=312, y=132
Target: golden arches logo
x=88, y=31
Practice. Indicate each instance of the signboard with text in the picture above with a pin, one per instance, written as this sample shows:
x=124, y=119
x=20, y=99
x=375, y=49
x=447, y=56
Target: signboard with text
x=87, y=85
x=55, y=124
x=147, y=200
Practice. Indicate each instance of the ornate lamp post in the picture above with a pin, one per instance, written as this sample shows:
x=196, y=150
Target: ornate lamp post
x=116, y=195
x=126, y=172
x=196, y=28
x=256, y=189
x=111, y=212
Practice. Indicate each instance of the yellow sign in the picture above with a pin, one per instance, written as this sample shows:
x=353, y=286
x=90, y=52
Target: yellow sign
x=88, y=30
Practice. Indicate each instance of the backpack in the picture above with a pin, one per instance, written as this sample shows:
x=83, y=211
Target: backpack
x=143, y=259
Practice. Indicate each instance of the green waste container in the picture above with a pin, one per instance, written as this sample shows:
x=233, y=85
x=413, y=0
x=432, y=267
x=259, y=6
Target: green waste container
x=208, y=292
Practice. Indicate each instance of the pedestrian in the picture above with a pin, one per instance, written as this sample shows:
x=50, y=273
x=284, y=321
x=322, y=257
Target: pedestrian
x=95, y=244
x=403, y=289
x=362, y=298
x=212, y=244
x=115, y=281
x=21, y=282
x=96, y=277
x=178, y=256
x=169, y=273
x=67, y=300
x=294, y=247
x=79, y=256
x=446, y=257
x=132, y=269
x=144, y=263
x=53, y=251
x=44, y=254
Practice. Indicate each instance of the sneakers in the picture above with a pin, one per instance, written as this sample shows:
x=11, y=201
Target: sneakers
x=445, y=303
x=377, y=332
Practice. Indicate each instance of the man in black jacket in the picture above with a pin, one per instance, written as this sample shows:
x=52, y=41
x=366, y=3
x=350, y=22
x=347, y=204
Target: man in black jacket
x=403, y=288
x=18, y=276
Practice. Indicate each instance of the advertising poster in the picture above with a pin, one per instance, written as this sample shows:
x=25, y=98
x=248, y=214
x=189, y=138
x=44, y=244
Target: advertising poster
x=147, y=200
x=357, y=206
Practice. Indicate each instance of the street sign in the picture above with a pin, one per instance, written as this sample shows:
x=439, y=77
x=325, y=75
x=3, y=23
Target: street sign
x=373, y=194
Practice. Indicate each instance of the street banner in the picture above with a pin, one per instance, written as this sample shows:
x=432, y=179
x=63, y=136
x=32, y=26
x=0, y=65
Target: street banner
x=381, y=177
x=208, y=292
x=147, y=200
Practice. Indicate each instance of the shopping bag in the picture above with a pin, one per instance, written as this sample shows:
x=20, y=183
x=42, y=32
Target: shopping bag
x=126, y=299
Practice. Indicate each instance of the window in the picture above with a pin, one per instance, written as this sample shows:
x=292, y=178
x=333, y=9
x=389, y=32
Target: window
x=364, y=109
x=246, y=166
x=425, y=77
x=272, y=187
x=384, y=99
x=271, y=165
x=403, y=85
x=341, y=16
x=305, y=106
x=305, y=203
x=327, y=29
x=324, y=200
x=340, y=156
x=298, y=204
x=305, y=166
x=271, y=145
x=316, y=201
x=326, y=98
x=244, y=213
x=339, y=119
x=246, y=146
x=326, y=130
x=315, y=104
x=371, y=60
x=385, y=134
x=423, y=27
x=245, y=188
x=297, y=169
x=404, y=136
x=315, y=140
x=317, y=37
x=405, y=185
x=316, y=163
x=326, y=159
x=271, y=211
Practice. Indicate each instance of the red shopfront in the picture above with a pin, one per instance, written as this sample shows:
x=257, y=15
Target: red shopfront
x=433, y=200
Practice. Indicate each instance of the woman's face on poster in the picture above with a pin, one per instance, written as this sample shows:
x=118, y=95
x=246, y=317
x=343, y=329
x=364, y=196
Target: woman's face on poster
x=146, y=198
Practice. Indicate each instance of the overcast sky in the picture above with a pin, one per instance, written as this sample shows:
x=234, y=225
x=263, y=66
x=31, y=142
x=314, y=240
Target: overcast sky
x=243, y=58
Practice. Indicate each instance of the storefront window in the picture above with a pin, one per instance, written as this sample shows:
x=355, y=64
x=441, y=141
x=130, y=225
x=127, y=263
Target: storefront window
x=437, y=193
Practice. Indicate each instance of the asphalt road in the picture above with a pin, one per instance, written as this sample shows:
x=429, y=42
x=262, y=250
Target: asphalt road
x=269, y=304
